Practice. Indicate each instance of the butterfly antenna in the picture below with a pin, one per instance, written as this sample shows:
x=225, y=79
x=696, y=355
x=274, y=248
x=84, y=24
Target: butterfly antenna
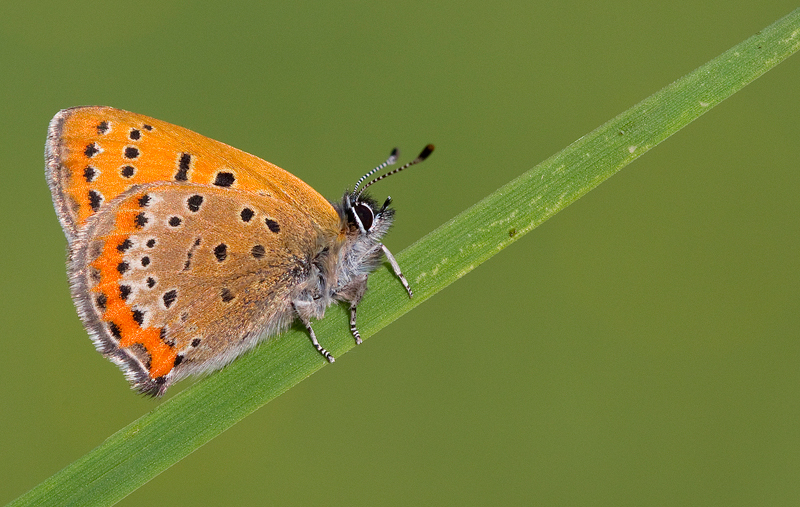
x=389, y=161
x=422, y=156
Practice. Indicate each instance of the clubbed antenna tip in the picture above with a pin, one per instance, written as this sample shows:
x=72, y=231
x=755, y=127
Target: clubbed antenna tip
x=393, y=157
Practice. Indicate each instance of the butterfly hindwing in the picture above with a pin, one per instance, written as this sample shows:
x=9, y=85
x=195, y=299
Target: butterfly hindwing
x=173, y=279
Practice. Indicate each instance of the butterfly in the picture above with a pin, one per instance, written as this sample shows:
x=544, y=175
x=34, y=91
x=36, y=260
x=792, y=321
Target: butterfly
x=185, y=252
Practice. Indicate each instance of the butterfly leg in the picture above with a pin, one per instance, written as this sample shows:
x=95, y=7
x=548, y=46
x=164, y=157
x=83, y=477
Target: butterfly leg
x=327, y=355
x=353, y=328
x=352, y=293
x=396, y=268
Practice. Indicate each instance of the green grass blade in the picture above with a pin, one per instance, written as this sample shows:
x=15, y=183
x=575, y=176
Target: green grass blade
x=153, y=443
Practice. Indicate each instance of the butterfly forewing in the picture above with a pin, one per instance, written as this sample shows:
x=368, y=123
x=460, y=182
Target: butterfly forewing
x=94, y=154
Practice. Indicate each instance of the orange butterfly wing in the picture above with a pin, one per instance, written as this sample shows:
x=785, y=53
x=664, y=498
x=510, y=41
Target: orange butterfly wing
x=109, y=171
x=96, y=153
x=172, y=279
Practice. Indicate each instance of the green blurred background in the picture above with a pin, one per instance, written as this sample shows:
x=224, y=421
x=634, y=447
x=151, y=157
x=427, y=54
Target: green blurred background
x=640, y=348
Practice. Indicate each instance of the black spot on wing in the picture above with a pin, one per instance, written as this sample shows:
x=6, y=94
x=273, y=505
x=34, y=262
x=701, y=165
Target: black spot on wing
x=273, y=225
x=91, y=150
x=194, y=202
x=90, y=173
x=125, y=245
x=169, y=297
x=114, y=329
x=184, y=163
x=140, y=220
x=221, y=252
x=224, y=179
x=226, y=295
x=131, y=152
x=258, y=251
x=95, y=199
x=101, y=301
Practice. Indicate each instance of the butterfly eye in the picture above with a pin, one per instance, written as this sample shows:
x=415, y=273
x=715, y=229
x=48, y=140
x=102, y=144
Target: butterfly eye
x=365, y=214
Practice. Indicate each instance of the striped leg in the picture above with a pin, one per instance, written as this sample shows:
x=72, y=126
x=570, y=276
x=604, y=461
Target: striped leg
x=327, y=355
x=396, y=268
x=353, y=328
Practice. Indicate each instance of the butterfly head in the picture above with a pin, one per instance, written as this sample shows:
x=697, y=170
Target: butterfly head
x=363, y=215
